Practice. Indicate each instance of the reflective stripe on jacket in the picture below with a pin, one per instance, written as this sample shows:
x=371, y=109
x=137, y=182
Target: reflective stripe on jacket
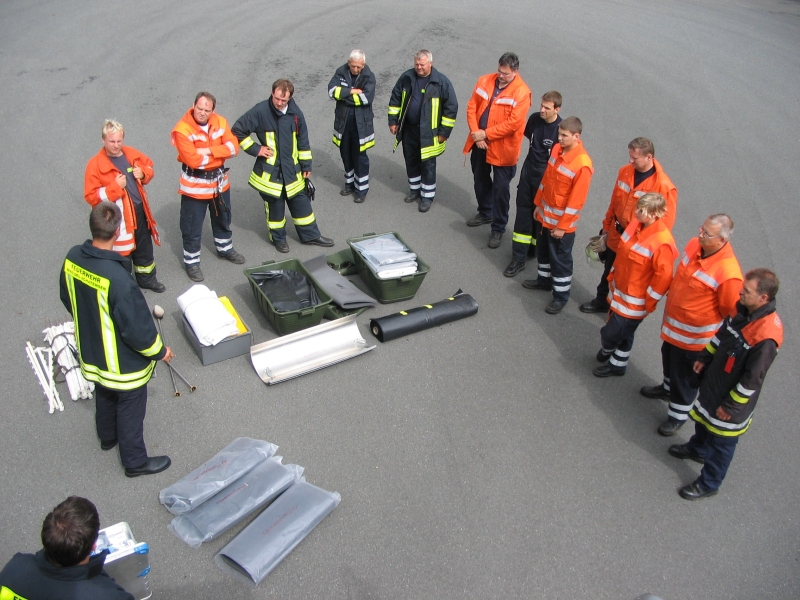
x=704, y=291
x=117, y=341
x=99, y=184
x=564, y=187
x=622, y=207
x=187, y=136
x=438, y=114
x=361, y=104
x=737, y=360
x=642, y=270
x=287, y=135
x=506, y=124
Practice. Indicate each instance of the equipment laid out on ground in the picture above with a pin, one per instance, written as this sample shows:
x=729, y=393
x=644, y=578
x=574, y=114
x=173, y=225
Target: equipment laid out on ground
x=41, y=360
x=405, y=322
x=226, y=466
x=128, y=561
x=393, y=289
x=308, y=350
x=65, y=352
x=240, y=479
x=265, y=542
x=344, y=294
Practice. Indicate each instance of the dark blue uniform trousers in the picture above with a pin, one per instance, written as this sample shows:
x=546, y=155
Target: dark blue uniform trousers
x=680, y=379
x=526, y=228
x=717, y=451
x=421, y=173
x=555, y=262
x=355, y=162
x=193, y=213
x=492, y=188
x=119, y=415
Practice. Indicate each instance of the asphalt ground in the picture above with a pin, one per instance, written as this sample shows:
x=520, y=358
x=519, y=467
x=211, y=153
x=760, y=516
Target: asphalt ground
x=480, y=459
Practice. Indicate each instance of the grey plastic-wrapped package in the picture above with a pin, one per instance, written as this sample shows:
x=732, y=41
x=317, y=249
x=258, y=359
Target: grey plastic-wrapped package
x=258, y=549
x=232, y=504
x=227, y=465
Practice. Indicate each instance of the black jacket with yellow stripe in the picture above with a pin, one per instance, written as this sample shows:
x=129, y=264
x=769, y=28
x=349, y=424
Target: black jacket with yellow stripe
x=117, y=340
x=439, y=111
x=361, y=104
x=287, y=135
x=737, y=360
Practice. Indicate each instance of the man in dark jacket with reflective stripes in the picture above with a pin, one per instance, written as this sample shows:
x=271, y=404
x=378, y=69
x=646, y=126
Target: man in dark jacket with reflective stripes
x=732, y=366
x=64, y=569
x=422, y=114
x=353, y=89
x=117, y=341
x=283, y=163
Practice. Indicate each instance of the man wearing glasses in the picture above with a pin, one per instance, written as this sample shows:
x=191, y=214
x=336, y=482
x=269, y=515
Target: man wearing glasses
x=641, y=175
x=704, y=291
x=496, y=115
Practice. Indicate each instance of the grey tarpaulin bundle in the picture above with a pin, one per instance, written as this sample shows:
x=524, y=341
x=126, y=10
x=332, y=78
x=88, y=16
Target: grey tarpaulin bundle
x=344, y=294
x=233, y=503
x=230, y=463
x=258, y=549
x=458, y=306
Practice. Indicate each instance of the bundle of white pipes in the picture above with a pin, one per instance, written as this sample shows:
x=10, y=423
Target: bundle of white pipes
x=62, y=340
x=41, y=360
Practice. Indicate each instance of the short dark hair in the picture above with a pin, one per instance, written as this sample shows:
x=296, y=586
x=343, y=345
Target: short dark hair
x=766, y=281
x=510, y=60
x=104, y=220
x=70, y=531
x=207, y=96
x=571, y=124
x=554, y=97
x=642, y=144
x=283, y=85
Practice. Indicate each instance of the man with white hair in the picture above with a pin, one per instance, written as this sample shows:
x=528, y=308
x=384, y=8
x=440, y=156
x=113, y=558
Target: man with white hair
x=422, y=114
x=353, y=88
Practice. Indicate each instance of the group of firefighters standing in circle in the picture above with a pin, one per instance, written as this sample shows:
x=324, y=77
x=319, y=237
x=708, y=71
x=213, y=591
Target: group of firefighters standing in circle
x=720, y=331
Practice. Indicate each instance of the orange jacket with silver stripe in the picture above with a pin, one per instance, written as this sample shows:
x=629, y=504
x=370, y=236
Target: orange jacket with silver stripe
x=624, y=198
x=642, y=270
x=100, y=183
x=187, y=137
x=564, y=188
x=704, y=291
x=506, y=124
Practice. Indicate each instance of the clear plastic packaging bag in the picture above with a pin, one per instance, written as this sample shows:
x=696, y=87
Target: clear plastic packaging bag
x=258, y=549
x=232, y=504
x=228, y=465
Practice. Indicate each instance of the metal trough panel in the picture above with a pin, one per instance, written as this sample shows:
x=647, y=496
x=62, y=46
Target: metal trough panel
x=308, y=350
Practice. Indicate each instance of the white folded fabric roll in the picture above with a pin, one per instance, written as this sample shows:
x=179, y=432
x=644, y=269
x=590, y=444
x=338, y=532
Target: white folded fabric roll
x=208, y=317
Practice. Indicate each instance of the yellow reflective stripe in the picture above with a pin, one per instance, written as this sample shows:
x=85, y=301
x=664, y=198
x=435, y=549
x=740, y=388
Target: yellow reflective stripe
x=276, y=224
x=738, y=398
x=366, y=146
x=521, y=238
x=710, y=348
x=356, y=99
x=145, y=269
x=93, y=281
x=304, y=220
x=7, y=594
x=74, y=304
x=394, y=110
x=337, y=92
x=435, y=150
x=155, y=348
x=304, y=155
x=246, y=143
x=108, y=332
x=336, y=140
x=263, y=184
x=434, y=114
x=448, y=122
x=294, y=148
x=118, y=381
x=270, y=139
x=717, y=430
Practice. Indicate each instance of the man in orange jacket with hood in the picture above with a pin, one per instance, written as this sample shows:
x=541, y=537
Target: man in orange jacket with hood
x=496, y=117
x=118, y=174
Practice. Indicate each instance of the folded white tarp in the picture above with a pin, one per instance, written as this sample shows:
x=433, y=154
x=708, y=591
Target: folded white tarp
x=258, y=549
x=232, y=504
x=386, y=252
x=209, y=319
x=228, y=465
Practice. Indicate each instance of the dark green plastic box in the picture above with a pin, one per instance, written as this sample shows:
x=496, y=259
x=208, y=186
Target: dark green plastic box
x=389, y=290
x=295, y=320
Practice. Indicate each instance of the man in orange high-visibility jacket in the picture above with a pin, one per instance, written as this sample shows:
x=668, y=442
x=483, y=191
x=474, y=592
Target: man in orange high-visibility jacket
x=640, y=277
x=704, y=291
x=118, y=173
x=559, y=200
x=496, y=117
x=204, y=142
x=641, y=175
